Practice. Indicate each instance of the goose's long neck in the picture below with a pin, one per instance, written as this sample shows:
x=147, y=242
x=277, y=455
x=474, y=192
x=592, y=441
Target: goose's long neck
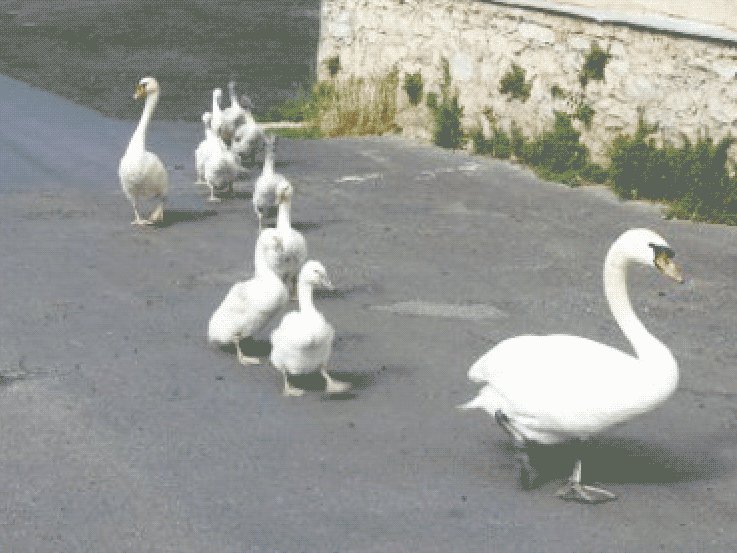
x=304, y=297
x=138, y=140
x=283, y=219
x=646, y=346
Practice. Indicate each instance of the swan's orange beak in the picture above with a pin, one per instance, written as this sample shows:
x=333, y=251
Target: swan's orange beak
x=668, y=267
x=140, y=91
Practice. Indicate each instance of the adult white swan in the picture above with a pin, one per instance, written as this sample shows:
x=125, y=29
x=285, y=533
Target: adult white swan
x=264, y=189
x=558, y=388
x=142, y=174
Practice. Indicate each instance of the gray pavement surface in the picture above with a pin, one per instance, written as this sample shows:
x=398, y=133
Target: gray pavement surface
x=122, y=430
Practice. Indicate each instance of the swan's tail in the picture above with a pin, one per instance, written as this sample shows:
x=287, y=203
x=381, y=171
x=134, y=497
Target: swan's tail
x=475, y=403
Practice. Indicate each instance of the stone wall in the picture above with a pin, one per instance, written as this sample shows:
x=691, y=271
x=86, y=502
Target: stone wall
x=687, y=84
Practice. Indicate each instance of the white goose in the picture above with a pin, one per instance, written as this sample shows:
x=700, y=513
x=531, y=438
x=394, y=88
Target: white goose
x=558, y=388
x=295, y=248
x=203, y=149
x=142, y=174
x=250, y=305
x=247, y=133
x=221, y=167
x=302, y=342
x=264, y=190
x=234, y=115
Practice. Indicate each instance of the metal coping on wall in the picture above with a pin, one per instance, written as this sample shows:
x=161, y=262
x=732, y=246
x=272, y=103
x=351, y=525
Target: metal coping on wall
x=653, y=23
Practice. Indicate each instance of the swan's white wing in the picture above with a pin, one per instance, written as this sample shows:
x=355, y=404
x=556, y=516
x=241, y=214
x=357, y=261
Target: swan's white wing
x=565, y=386
x=143, y=173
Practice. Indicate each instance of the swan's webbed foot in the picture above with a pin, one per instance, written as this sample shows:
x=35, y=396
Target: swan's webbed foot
x=333, y=386
x=575, y=491
x=529, y=476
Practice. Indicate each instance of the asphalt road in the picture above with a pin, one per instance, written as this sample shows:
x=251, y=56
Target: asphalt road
x=122, y=430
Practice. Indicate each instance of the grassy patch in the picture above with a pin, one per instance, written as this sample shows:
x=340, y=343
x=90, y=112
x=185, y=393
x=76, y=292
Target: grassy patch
x=309, y=132
x=357, y=106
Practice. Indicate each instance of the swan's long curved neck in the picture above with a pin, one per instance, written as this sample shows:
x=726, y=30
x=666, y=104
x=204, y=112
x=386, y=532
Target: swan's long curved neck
x=269, y=158
x=232, y=94
x=262, y=267
x=213, y=136
x=304, y=297
x=138, y=140
x=216, y=103
x=283, y=218
x=646, y=346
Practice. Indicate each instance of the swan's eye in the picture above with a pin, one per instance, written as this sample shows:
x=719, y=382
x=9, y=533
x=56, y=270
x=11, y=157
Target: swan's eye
x=662, y=251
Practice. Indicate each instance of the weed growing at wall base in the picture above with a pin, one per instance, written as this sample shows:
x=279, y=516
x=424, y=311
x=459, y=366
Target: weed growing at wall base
x=447, y=112
x=413, y=86
x=695, y=178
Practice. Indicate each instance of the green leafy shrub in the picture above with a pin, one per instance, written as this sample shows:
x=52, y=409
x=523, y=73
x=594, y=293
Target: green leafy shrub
x=517, y=139
x=594, y=64
x=479, y=141
x=413, y=86
x=498, y=145
x=513, y=83
x=447, y=114
x=695, y=177
x=558, y=154
x=431, y=100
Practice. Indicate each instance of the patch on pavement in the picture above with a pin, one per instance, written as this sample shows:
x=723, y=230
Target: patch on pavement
x=468, y=311
x=360, y=178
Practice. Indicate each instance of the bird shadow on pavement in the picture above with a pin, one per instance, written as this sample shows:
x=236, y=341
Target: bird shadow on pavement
x=620, y=460
x=176, y=216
